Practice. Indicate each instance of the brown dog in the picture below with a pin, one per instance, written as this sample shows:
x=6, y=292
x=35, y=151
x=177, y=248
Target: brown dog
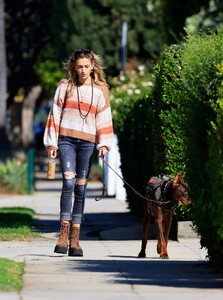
x=162, y=202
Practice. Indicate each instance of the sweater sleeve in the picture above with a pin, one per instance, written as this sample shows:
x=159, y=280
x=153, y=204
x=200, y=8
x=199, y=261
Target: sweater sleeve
x=52, y=127
x=104, y=123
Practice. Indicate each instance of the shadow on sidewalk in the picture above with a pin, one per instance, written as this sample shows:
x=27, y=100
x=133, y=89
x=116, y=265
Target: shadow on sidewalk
x=120, y=226
x=102, y=225
x=181, y=274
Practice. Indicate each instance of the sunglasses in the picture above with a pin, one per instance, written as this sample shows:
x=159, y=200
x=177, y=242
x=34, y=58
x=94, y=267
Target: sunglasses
x=78, y=53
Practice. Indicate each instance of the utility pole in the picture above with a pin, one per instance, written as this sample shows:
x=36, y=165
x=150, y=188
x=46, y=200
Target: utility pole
x=124, y=45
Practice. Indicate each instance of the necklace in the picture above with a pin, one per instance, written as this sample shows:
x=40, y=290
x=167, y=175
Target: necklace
x=82, y=115
x=81, y=92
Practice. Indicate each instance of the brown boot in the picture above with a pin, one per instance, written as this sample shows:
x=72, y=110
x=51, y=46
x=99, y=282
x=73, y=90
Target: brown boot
x=74, y=247
x=62, y=244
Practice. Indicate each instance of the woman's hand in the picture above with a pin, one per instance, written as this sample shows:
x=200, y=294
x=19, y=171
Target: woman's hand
x=102, y=151
x=52, y=153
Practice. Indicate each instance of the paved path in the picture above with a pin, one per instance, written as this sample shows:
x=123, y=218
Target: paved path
x=109, y=269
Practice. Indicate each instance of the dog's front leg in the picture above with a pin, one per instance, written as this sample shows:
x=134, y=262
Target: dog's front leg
x=161, y=245
x=146, y=221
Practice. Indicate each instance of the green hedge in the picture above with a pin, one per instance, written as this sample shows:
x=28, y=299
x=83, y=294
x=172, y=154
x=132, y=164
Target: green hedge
x=134, y=116
x=192, y=130
x=176, y=126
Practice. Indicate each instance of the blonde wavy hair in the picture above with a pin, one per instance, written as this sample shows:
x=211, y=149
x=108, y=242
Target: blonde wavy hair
x=97, y=75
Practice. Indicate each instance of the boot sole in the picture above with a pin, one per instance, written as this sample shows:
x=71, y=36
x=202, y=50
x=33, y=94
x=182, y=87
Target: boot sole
x=60, y=249
x=75, y=252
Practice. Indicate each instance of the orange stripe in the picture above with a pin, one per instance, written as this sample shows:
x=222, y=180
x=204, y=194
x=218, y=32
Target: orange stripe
x=83, y=106
x=71, y=104
x=106, y=130
x=51, y=124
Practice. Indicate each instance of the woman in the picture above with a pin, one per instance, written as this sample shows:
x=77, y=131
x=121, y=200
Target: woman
x=80, y=121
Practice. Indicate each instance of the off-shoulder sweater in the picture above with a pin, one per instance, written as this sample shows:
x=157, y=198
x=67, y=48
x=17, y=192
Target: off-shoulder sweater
x=65, y=119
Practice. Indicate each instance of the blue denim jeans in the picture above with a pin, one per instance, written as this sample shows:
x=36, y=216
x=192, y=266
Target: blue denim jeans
x=75, y=159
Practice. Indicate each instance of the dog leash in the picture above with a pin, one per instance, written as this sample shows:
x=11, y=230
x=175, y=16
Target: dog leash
x=134, y=190
x=102, y=181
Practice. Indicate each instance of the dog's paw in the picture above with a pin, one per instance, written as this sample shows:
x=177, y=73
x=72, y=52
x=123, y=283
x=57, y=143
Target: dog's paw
x=141, y=254
x=164, y=256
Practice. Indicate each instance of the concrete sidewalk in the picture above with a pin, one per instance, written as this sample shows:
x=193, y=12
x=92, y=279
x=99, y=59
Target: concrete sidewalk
x=109, y=269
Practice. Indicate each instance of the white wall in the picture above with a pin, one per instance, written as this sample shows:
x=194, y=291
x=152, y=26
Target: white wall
x=114, y=185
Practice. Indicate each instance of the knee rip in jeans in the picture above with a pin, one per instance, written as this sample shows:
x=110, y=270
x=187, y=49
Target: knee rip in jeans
x=69, y=174
x=81, y=181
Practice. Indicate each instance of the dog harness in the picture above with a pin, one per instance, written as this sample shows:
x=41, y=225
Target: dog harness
x=158, y=190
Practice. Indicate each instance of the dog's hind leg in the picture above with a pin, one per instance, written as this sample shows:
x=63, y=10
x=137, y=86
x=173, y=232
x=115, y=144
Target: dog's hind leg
x=161, y=245
x=146, y=222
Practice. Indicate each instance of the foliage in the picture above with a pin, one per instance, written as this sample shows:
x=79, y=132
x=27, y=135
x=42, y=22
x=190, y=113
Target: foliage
x=13, y=177
x=168, y=94
x=185, y=111
x=133, y=115
x=167, y=97
x=11, y=273
x=26, y=26
x=15, y=224
x=192, y=133
x=206, y=19
x=214, y=208
x=34, y=27
x=174, y=14
x=98, y=25
x=49, y=70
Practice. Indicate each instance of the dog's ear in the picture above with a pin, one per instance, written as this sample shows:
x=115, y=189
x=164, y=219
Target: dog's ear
x=176, y=180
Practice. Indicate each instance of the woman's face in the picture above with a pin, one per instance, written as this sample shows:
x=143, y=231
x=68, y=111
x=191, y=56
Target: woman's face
x=83, y=67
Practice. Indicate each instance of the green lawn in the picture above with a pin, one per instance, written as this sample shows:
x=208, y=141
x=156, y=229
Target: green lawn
x=15, y=225
x=11, y=273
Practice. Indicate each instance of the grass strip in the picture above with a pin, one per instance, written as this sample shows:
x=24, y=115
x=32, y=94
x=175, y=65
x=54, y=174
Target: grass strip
x=16, y=224
x=11, y=275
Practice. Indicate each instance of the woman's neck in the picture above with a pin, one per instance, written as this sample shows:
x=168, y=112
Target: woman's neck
x=85, y=82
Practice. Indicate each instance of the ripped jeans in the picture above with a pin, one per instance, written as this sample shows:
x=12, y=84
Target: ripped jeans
x=75, y=159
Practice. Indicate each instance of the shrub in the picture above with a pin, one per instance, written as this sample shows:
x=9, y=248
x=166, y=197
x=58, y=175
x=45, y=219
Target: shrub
x=177, y=127
x=13, y=177
x=133, y=115
x=189, y=91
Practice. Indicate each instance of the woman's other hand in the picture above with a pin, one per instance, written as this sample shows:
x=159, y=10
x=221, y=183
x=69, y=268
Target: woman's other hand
x=103, y=151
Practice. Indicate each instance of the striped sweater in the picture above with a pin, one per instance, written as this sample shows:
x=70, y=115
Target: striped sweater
x=64, y=118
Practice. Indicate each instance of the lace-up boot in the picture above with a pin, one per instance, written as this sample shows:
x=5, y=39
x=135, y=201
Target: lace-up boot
x=74, y=247
x=62, y=244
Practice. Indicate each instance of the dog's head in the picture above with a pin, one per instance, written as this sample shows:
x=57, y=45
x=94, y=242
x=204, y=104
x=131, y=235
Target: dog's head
x=181, y=189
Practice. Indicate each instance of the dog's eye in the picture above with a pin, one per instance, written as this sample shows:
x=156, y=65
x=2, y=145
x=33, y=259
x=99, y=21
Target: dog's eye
x=184, y=192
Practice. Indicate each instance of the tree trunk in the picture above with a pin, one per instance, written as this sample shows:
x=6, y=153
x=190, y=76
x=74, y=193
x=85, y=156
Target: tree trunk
x=3, y=86
x=28, y=116
x=2, y=67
